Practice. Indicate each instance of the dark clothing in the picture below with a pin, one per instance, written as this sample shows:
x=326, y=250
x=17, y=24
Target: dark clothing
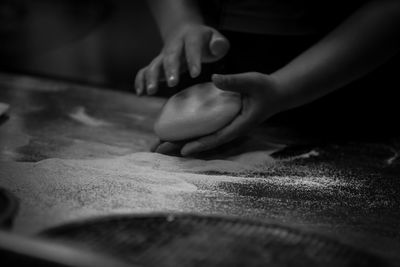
x=283, y=17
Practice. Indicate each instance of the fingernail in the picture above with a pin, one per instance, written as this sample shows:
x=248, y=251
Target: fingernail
x=172, y=80
x=138, y=91
x=194, y=71
x=216, y=77
x=186, y=151
x=151, y=88
x=219, y=47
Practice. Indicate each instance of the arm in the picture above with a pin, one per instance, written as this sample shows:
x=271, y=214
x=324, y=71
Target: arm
x=171, y=14
x=361, y=43
x=365, y=40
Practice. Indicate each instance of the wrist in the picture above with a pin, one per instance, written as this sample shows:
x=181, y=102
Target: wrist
x=179, y=23
x=284, y=99
x=287, y=91
x=179, y=27
x=172, y=14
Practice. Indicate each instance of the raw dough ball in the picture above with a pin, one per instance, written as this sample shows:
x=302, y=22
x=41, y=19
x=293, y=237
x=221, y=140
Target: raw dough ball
x=197, y=111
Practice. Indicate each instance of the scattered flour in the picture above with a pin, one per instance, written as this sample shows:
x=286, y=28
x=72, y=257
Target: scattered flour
x=80, y=115
x=312, y=153
x=136, y=117
x=393, y=158
x=54, y=191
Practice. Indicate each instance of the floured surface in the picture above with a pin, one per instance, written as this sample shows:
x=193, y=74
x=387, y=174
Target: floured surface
x=56, y=190
x=53, y=191
x=65, y=168
x=80, y=115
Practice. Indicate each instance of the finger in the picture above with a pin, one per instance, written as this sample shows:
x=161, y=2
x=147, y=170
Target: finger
x=155, y=145
x=237, y=127
x=152, y=75
x=239, y=83
x=171, y=62
x=219, y=45
x=139, y=82
x=169, y=148
x=193, y=49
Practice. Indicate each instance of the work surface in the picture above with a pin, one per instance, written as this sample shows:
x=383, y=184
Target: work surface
x=70, y=152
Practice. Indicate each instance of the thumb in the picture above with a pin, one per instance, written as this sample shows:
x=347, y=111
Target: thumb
x=219, y=45
x=233, y=82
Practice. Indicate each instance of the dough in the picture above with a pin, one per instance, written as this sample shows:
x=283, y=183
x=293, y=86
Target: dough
x=196, y=111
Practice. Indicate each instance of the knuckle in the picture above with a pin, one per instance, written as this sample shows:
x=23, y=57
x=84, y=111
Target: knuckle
x=166, y=64
x=141, y=71
x=193, y=39
x=140, y=75
x=256, y=75
x=171, y=50
x=148, y=76
x=158, y=58
x=169, y=60
x=145, y=71
x=155, y=61
x=153, y=67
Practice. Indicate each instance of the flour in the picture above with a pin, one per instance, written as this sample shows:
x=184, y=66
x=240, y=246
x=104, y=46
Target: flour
x=307, y=155
x=80, y=115
x=54, y=191
x=249, y=162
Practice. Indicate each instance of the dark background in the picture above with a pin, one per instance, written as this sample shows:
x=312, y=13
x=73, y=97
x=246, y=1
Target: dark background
x=100, y=42
x=105, y=42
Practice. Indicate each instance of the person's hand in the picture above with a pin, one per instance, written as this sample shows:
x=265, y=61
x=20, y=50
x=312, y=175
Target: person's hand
x=262, y=97
x=167, y=148
x=186, y=48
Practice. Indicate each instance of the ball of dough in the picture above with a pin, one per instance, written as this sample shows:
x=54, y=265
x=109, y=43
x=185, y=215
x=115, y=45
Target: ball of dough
x=196, y=111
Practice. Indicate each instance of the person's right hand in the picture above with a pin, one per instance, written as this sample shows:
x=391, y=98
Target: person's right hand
x=186, y=48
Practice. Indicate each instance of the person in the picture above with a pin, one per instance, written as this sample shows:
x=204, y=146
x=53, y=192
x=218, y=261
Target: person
x=315, y=47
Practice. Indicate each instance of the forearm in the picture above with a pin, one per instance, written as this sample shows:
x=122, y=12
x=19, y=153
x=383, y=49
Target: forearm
x=170, y=14
x=361, y=43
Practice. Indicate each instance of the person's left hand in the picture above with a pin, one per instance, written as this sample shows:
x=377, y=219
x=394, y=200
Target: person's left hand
x=262, y=97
